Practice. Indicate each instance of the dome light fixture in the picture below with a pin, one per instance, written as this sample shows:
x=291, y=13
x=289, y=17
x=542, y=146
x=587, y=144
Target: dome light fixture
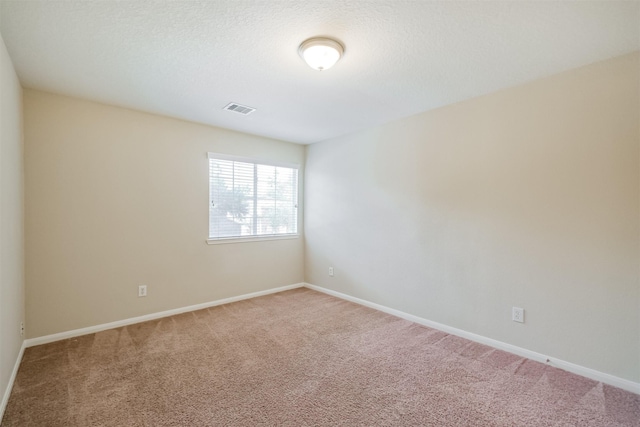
x=321, y=53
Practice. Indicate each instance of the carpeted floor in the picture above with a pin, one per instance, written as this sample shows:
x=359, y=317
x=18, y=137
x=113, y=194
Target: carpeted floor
x=298, y=358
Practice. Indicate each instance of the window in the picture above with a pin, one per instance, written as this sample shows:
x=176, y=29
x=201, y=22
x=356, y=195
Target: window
x=251, y=199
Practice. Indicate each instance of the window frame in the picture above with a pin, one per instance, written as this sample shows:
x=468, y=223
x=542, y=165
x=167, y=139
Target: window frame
x=256, y=161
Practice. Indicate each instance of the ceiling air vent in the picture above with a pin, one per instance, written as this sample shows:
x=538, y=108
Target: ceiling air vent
x=237, y=108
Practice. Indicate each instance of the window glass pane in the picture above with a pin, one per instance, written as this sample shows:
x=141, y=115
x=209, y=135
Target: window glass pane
x=249, y=199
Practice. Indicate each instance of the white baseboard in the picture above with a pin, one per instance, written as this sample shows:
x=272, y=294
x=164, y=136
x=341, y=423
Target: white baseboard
x=12, y=378
x=567, y=366
x=119, y=323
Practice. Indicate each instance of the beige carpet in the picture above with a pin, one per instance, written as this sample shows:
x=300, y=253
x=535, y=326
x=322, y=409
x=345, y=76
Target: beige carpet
x=298, y=358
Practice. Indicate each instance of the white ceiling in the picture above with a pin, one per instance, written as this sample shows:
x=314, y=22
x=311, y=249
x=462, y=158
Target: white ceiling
x=189, y=59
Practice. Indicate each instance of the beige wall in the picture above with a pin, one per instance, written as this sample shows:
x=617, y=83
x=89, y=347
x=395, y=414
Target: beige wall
x=116, y=199
x=11, y=220
x=527, y=197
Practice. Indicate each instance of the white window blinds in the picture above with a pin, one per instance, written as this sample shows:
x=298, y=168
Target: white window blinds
x=249, y=198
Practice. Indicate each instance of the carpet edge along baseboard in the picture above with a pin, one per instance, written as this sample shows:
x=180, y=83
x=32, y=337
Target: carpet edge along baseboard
x=603, y=377
x=593, y=374
x=46, y=339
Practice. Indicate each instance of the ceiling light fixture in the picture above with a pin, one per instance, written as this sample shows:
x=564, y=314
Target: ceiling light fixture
x=321, y=53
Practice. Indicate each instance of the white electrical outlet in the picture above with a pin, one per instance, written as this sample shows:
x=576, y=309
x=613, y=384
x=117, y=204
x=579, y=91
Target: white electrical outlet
x=331, y=271
x=517, y=314
x=142, y=291
x=21, y=329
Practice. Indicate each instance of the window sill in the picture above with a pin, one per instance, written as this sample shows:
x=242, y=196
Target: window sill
x=251, y=239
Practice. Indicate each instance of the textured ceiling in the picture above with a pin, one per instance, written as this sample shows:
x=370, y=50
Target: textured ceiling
x=189, y=59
